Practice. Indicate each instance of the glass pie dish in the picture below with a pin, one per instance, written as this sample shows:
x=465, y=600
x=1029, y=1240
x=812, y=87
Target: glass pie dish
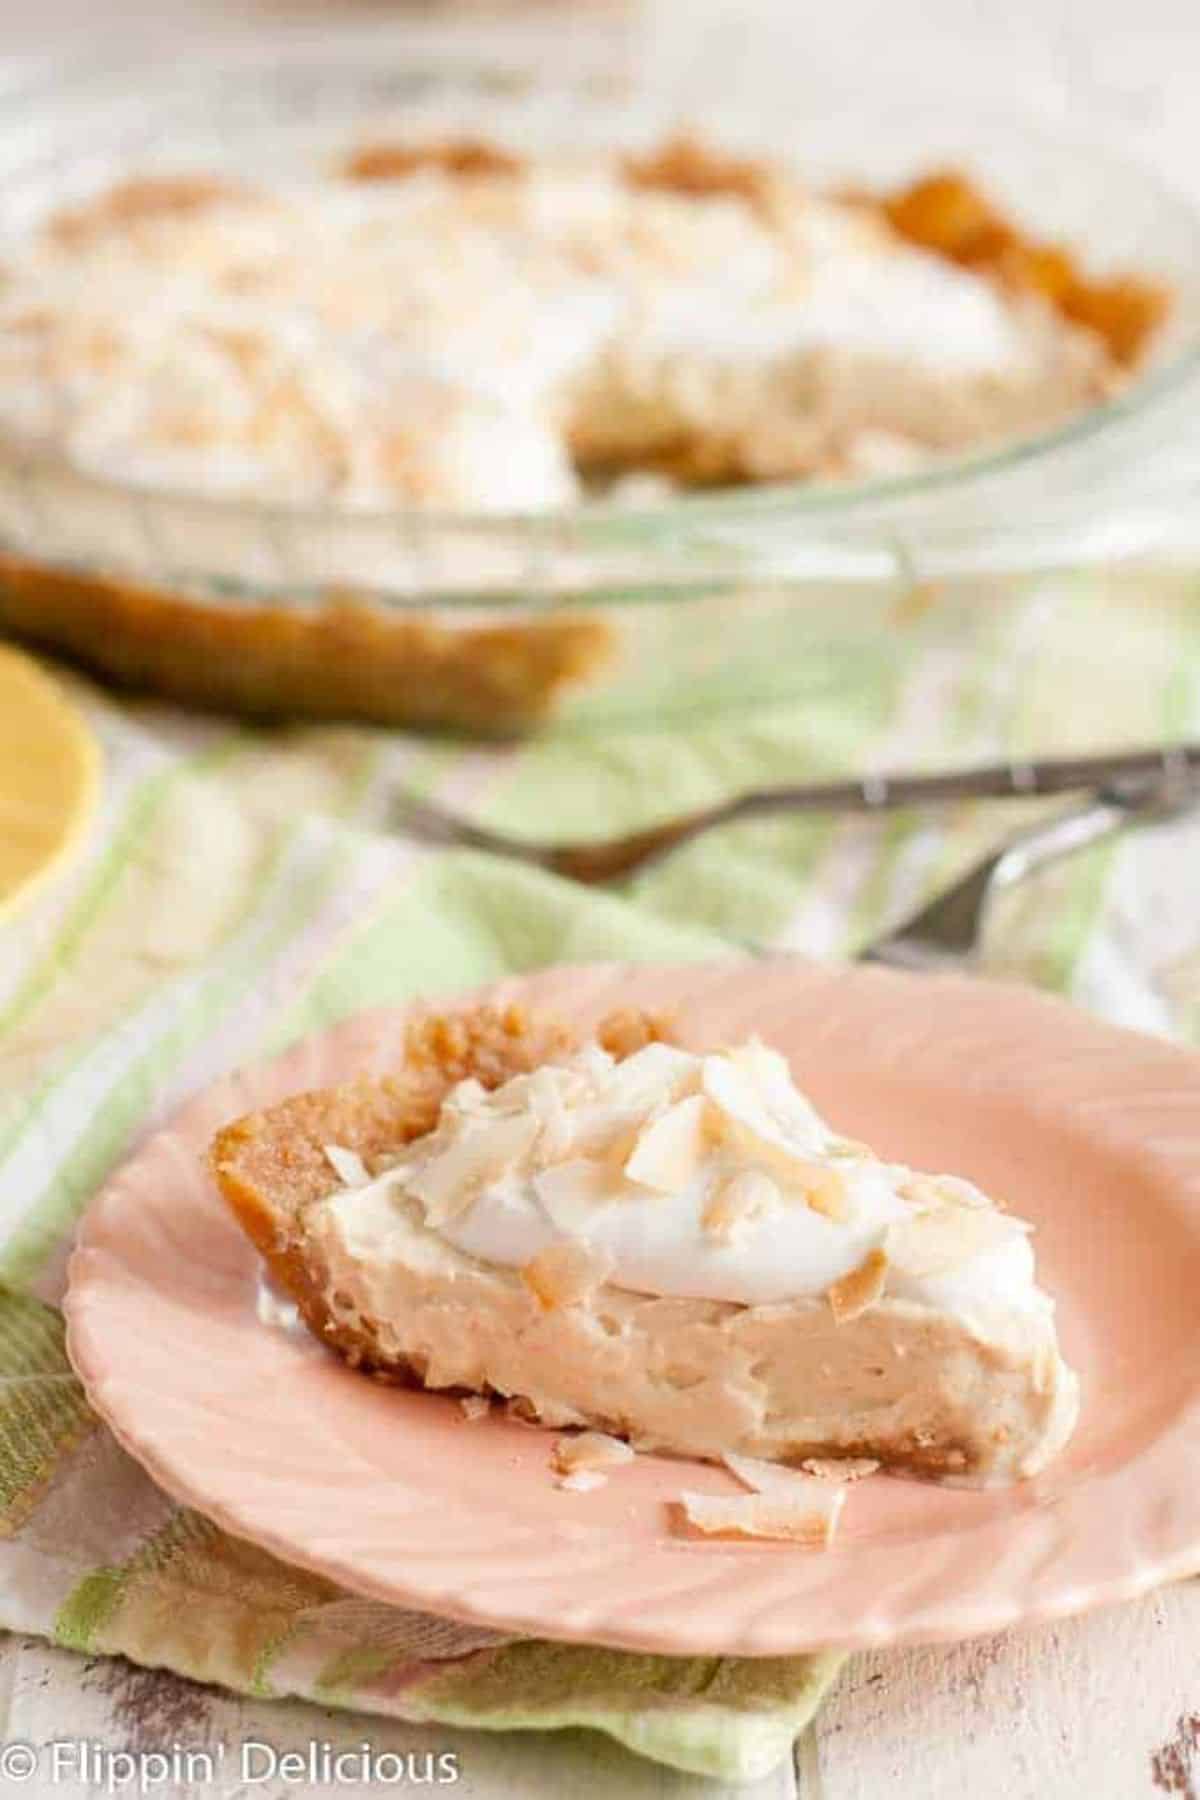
x=613, y=608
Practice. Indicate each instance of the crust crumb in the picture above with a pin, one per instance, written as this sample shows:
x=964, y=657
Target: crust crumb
x=833, y=1468
x=1125, y=312
x=625, y=1032
x=763, y=1477
x=947, y=214
x=491, y=1043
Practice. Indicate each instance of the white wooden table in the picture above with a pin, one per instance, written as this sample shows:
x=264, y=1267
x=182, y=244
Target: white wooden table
x=1099, y=1707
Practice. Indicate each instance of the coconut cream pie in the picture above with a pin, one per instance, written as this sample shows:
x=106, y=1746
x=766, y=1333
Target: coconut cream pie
x=449, y=325
x=452, y=326
x=664, y=1244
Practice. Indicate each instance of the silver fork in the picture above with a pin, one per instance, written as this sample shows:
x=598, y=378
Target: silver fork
x=607, y=859
x=946, y=933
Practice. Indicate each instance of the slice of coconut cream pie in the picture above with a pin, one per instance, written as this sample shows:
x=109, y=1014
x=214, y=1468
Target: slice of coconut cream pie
x=661, y=1243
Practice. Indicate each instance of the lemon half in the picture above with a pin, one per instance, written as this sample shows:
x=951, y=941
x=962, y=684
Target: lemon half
x=49, y=777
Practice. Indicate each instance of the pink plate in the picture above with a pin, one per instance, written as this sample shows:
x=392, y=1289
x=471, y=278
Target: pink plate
x=1091, y=1132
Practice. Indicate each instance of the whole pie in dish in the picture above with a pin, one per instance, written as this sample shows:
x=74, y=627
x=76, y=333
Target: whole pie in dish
x=451, y=326
x=443, y=328
x=660, y=1243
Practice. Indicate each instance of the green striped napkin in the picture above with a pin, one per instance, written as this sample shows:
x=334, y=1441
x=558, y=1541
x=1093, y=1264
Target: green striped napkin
x=242, y=889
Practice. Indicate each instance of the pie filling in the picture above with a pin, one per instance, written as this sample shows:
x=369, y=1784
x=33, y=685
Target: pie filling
x=456, y=328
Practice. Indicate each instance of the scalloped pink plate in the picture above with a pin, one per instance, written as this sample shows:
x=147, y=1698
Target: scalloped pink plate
x=1092, y=1133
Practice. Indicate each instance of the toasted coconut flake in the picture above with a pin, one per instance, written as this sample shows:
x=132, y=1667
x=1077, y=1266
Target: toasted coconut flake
x=763, y=1477
x=468, y=1096
x=809, y=1517
x=933, y=1243
x=851, y=1149
x=670, y=1149
x=763, y=1124
x=658, y=1072
x=463, y=156
x=738, y=1203
x=687, y=166
x=142, y=199
x=825, y=1192
x=565, y=1273
x=474, y=1407
x=855, y=1292
x=548, y=1107
x=347, y=1165
x=449, y=1183
x=590, y=1450
x=1044, y=1362
x=931, y=1192
x=582, y=1481
x=619, y=1150
x=569, y=1192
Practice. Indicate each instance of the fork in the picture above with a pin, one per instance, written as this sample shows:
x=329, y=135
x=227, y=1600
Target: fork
x=946, y=933
x=604, y=860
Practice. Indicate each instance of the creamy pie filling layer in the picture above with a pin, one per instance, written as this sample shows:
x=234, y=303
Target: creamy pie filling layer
x=678, y=1247
x=479, y=333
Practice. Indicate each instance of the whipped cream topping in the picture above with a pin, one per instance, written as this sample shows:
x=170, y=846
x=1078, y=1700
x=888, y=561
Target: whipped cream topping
x=437, y=341
x=699, y=1176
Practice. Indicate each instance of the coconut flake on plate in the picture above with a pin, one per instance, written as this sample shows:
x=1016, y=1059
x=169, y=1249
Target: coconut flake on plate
x=582, y=1481
x=590, y=1450
x=809, y=1517
x=782, y=1503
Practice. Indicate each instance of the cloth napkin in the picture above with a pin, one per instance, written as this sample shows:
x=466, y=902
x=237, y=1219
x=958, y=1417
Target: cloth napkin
x=243, y=888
